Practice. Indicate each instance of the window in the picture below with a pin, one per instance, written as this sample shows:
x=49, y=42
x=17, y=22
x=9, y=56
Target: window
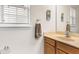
x=73, y=19
x=14, y=14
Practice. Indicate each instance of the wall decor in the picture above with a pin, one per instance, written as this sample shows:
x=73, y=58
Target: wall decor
x=62, y=17
x=48, y=15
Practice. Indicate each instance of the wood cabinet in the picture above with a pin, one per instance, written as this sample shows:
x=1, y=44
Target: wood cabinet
x=67, y=48
x=52, y=46
x=49, y=46
x=49, y=49
x=59, y=52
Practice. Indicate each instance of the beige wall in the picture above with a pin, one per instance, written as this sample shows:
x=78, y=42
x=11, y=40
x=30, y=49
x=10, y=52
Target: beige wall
x=77, y=19
x=39, y=12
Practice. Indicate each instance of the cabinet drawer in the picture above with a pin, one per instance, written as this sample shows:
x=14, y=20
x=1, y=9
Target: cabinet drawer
x=48, y=49
x=60, y=52
x=66, y=48
x=50, y=41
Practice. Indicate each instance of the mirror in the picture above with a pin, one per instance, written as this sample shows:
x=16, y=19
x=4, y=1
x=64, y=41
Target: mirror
x=68, y=13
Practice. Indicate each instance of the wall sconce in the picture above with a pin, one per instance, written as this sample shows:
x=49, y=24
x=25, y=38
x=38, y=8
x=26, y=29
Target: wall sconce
x=48, y=15
x=62, y=17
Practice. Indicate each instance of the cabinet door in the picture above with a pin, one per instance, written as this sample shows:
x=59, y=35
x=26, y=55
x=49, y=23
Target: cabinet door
x=48, y=49
x=60, y=52
x=67, y=48
x=45, y=48
x=50, y=41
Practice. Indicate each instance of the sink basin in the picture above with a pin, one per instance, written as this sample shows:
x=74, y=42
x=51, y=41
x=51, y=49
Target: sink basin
x=66, y=38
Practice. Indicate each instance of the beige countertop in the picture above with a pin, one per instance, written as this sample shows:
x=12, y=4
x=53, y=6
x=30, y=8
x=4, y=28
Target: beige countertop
x=72, y=40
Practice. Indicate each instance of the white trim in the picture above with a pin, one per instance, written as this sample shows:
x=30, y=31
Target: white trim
x=15, y=25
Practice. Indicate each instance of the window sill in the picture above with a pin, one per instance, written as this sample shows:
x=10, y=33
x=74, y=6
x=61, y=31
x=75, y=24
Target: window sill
x=15, y=25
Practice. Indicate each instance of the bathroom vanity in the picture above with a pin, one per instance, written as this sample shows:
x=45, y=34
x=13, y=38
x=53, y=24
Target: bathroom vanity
x=58, y=43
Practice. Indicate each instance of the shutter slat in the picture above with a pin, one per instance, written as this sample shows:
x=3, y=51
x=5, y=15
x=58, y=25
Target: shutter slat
x=15, y=14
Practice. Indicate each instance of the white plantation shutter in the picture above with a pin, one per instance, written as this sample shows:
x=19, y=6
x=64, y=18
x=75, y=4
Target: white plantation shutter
x=0, y=14
x=22, y=15
x=73, y=20
x=14, y=14
x=9, y=14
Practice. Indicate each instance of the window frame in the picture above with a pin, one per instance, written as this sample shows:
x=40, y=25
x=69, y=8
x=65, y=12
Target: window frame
x=73, y=19
x=2, y=24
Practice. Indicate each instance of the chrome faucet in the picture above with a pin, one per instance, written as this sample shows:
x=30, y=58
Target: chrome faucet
x=67, y=32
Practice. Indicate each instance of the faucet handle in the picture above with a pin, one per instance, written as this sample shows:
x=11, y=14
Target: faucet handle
x=6, y=47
